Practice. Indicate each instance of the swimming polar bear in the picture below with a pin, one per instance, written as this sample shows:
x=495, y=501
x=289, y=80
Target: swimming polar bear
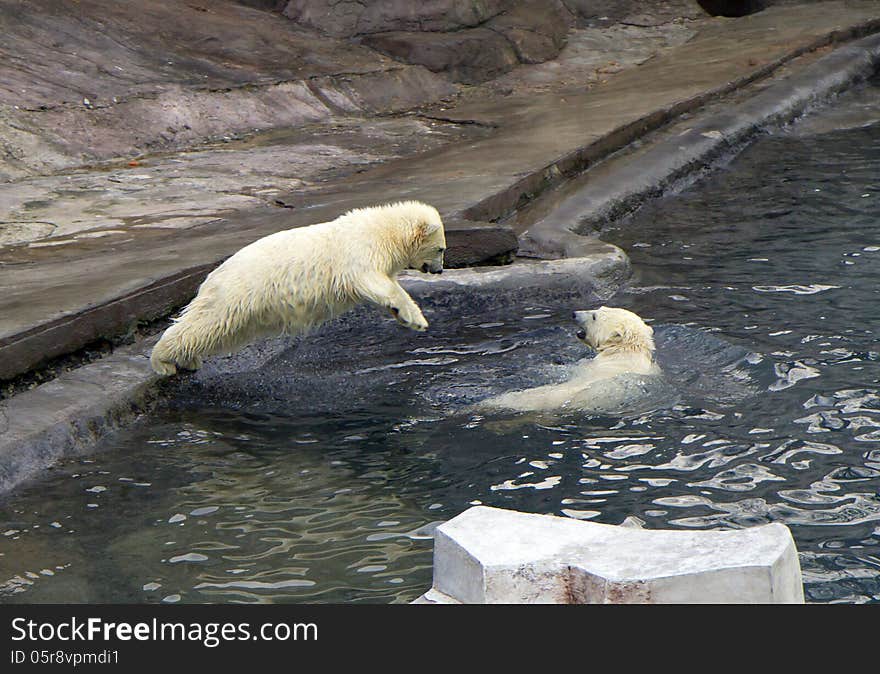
x=624, y=347
x=295, y=280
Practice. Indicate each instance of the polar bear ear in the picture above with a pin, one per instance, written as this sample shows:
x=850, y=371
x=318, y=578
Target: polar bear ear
x=624, y=334
x=426, y=228
x=631, y=335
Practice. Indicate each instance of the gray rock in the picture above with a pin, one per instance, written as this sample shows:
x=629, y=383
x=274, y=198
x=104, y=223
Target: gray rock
x=469, y=41
x=347, y=18
x=116, y=80
x=469, y=56
x=537, y=29
x=596, y=9
x=631, y=11
x=470, y=243
x=68, y=415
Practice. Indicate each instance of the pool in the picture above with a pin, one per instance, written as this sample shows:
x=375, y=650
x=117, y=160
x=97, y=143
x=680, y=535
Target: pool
x=314, y=470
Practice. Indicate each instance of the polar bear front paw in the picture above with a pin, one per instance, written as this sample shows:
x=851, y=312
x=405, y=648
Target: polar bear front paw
x=410, y=319
x=163, y=367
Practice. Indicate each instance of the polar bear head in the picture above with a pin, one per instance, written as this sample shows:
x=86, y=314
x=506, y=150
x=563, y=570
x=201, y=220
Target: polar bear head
x=614, y=330
x=429, y=241
x=401, y=235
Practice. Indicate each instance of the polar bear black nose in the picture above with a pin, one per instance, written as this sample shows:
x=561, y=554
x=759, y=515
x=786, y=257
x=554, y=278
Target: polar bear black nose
x=581, y=334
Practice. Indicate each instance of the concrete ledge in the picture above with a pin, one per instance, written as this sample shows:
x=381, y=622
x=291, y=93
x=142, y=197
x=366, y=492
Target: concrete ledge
x=491, y=556
x=611, y=192
x=69, y=414
x=24, y=351
x=600, y=270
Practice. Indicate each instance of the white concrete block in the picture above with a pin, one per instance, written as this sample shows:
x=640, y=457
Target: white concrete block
x=489, y=555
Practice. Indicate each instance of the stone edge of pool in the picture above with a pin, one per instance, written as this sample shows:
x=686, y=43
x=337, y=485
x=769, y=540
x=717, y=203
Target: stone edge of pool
x=709, y=139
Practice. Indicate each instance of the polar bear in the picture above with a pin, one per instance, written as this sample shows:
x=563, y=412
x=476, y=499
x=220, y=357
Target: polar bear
x=624, y=347
x=296, y=279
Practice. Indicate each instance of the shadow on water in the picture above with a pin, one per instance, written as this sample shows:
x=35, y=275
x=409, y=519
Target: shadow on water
x=315, y=469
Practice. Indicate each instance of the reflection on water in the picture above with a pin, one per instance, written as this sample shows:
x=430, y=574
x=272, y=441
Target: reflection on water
x=762, y=287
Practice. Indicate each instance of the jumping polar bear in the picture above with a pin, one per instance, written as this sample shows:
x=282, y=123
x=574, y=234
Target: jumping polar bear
x=294, y=280
x=624, y=346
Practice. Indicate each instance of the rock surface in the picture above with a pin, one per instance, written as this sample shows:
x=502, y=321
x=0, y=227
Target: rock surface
x=111, y=81
x=470, y=243
x=466, y=56
x=473, y=42
x=350, y=18
x=537, y=29
x=528, y=31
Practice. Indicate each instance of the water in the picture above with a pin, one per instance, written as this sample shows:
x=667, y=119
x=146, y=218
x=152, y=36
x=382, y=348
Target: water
x=322, y=481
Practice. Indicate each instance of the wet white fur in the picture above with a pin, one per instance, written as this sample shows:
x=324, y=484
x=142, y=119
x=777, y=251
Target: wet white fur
x=294, y=280
x=624, y=344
